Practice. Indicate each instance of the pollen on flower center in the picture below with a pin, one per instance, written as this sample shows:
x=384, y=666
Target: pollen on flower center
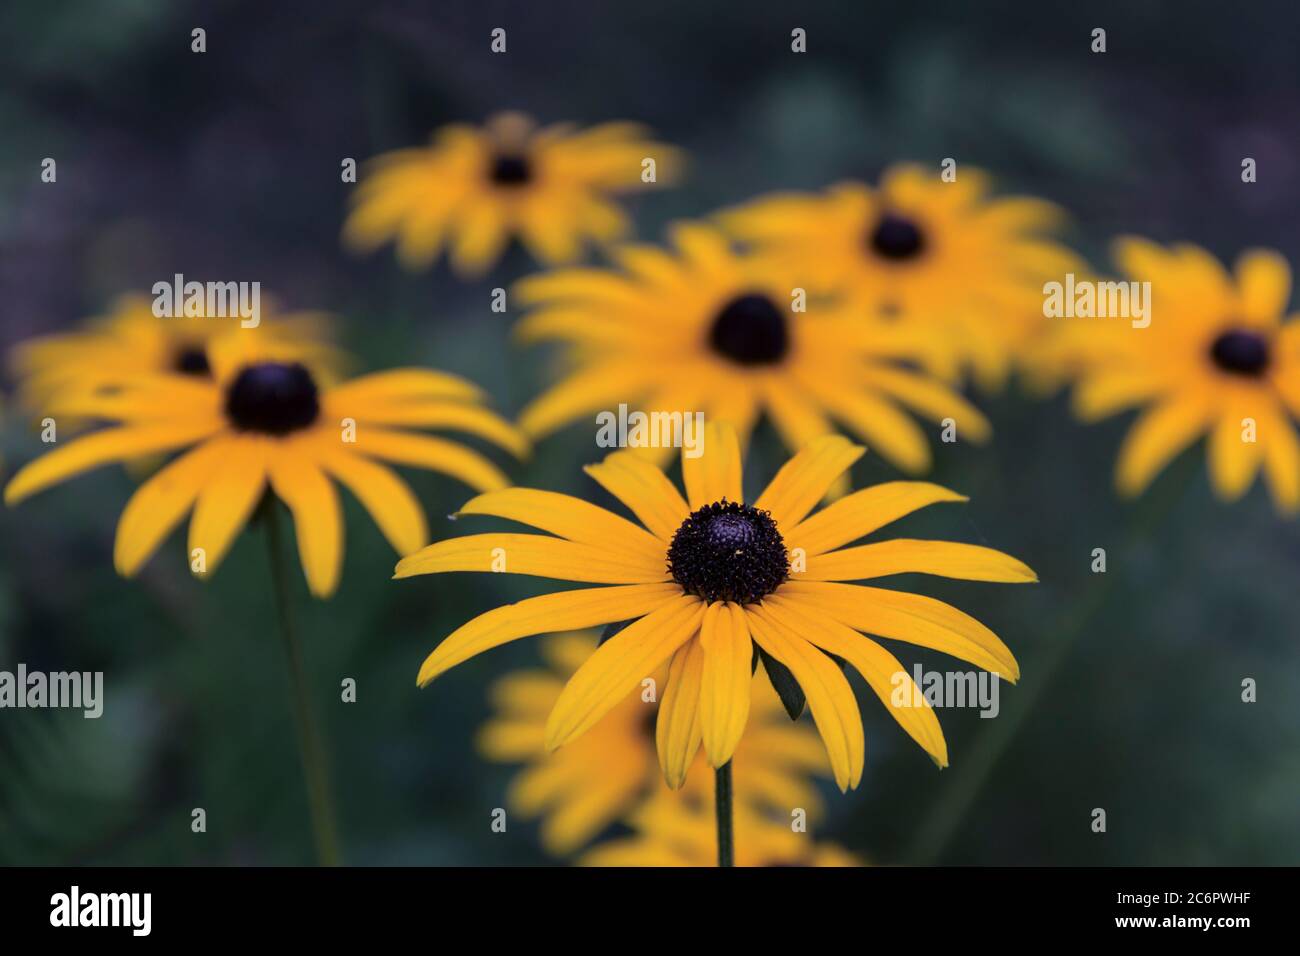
x=509, y=169
x=750, y=330
x=728, y=551
x=896, y=237
x=274, y=398
x=1241, y=352
x=192, y=360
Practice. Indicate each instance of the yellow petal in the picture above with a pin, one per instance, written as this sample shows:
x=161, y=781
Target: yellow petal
x=913, y=618
x=785, y=744
x=1233, y=462
x=533, y=554
x=677, y=729
x=576, y=325
x=1156, y=437
x=863, y=512
x=471, y=419
x=1113, y=390
x=586, y=811
x=510, y=741
x=565, y=611
x=1281, y=460
x=1264, y=284
x=387, y=497
x=419, y=239
x=645, y=490
x=606, y=291
x=540, y=786
x=600, y=386
x=805, y=478
x=777, y=789
x=100, y=448
x=620, y=664
x=551, y=233
x=227, y=500
x=436, y=454
x=162, y=401
x=831, y=700
x=881, y=670
x=715, y=473
x=529, y=694
x=889, y=432
x=948, y=559
x=726, y=680
x=797, y=419
x=403, y=384
x=160, y=503
x=933, y=399
x=480, y=236
x=705, y=247
x=568, y=517
x=317, y=517
x=652, y=266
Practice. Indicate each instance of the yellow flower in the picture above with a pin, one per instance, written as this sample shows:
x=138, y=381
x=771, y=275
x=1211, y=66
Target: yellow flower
x=673, y=832
x=130, y=342
x=940, y=255
x=262, y=421
x=471, y=190
x=1216, y=360
x=712, y=331
x=603, y=775
x=707, y=583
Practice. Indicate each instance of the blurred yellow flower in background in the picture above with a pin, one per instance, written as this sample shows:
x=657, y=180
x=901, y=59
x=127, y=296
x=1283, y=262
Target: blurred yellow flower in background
x=703, y=328
x=1217, y=359
x=473, y=189
x=674, y=832
x=709, y=583
x=131, y=341
x=601, y=777
x=919, y=251
x=262, y=420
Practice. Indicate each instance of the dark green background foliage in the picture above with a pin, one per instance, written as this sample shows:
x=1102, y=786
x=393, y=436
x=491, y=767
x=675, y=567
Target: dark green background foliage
x=226, y=165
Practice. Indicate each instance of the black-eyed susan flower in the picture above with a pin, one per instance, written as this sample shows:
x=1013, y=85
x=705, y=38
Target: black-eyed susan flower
x=1216, y=359
x=602, y=776
x=261, y=421
x=709, y=580
x=471, y=190
x=941, y=255
x=130, y=342
x=673, y=832
x=707, y=329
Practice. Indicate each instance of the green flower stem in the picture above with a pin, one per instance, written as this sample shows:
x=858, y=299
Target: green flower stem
x=951, y=809
x=722, y=804
x=310, y=748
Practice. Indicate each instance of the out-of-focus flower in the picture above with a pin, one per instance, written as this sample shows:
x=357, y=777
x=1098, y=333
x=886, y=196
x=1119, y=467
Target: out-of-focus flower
x=601, y=777
x=473, y=189
x=1216, y=359
x=940, y=255
x=260, y=420
x=131, y=342
x=716, y=580
x=706, y=329
x=677, y=832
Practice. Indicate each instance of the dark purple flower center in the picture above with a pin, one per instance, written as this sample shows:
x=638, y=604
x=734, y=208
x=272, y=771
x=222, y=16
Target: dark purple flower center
x=273, y=398
x=727, y=551
x=1240, y=352
x=896, y=237
x=510, y=169
x=750, y=330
